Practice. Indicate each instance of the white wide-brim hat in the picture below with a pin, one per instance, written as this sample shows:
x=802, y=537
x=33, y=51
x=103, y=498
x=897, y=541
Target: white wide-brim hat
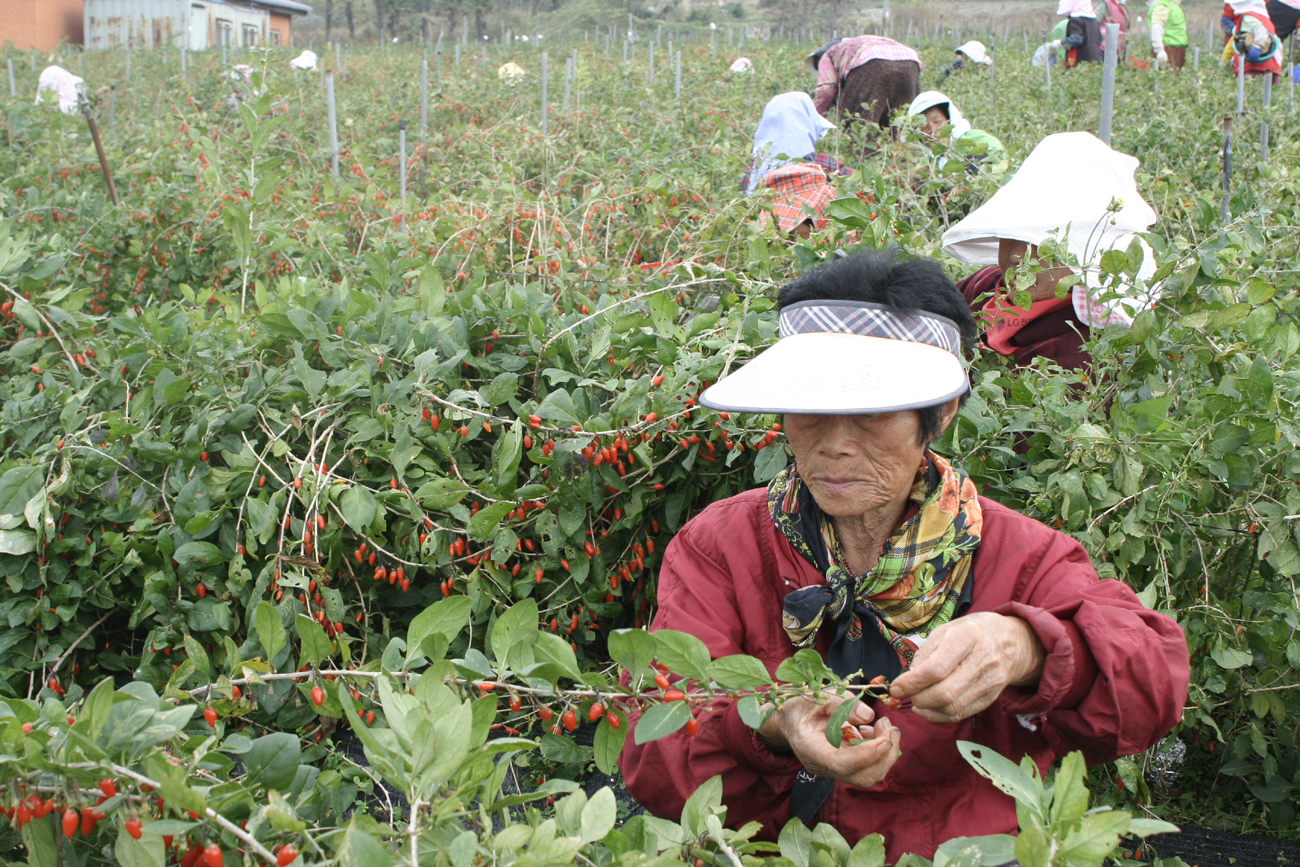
x=848, y=357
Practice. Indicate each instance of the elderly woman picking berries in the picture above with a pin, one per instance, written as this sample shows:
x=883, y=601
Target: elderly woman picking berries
x=876, y=551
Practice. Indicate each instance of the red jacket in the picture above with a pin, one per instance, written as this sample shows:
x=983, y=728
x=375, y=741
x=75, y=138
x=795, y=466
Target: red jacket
x=1114, y=682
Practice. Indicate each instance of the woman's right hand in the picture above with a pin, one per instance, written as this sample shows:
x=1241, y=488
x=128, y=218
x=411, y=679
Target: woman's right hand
x=800, y=727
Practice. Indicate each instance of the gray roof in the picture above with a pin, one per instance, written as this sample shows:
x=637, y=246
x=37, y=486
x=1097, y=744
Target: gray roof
x=283, y=5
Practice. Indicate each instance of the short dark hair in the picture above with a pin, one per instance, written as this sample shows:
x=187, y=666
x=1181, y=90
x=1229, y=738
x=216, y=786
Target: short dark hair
x=886, y=277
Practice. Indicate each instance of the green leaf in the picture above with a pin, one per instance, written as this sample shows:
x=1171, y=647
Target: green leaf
x=1004, y=774
x=598, y=816
x=661, y=720
x=515, y=628
x=739, y=672
x=703, y=802
x=995, y=849
x=1032, y=849
x=359, y=508
x=682, y=653
x=795, y=841
x=634, y=649
x=272, y=761
x=270, y=629
x=770, y=461
x=17, y=486
x=563, y=750
x=1070, y=790
x=1272, y=790
x=1149, y=827
x=197, y=555
x=315, y=643
x=1094, y=839
x=868, y=852
x=146, y=852
x=446, y=617
x=751, y=712
x=501, y=388
x=17, y=542
x=608, y=743
x=38, y=839
x=834, y=733
x=1230, y=658
x=559, y=407
x=553, y=650
x=484, y=522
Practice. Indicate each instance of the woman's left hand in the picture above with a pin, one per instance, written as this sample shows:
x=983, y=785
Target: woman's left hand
x=965, y=664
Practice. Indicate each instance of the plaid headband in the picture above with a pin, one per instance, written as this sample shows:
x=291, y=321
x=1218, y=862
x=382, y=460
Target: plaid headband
x=870, y=320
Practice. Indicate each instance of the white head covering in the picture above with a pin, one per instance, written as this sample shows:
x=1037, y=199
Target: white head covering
x=66, y=86
x=1076, y=9
x=1241, y=6
x=1063, y=191
x=789, y=130
x=742, y=64
x=931, y=98
x=306, y=60
x=975, y=51
x=511, y=73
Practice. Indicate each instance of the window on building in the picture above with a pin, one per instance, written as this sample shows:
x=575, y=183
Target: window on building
x=275, y=37
x=224, y=31
x=250, y=36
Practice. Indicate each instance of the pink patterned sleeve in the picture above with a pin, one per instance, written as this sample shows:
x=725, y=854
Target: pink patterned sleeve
x=828, y=84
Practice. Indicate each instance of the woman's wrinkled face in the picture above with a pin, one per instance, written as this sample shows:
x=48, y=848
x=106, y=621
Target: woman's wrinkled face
x=935, y=118
x=854, y=464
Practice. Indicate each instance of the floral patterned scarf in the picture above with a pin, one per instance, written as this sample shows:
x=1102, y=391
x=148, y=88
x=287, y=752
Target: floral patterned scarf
x=913, y=589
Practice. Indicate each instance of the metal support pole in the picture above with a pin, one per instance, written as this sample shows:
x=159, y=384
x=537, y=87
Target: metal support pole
x=677, y=80
x=13, y=89
x=1241, y=88
x=1227, y=168
x=333, y=124
x=1263, y=127
x=543, y=93
x=1196, y=59
x=625, y=44
x=568, y=72
x=128, y=63
x=1108, y=81
x=183, y=53
x=112, y=109
x=401, y=155
x=424, y=102
x=338, y=56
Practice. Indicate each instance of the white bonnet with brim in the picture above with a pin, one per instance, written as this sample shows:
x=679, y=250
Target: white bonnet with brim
x=848, y=357
x=1063, y=191
x=976, y=51
x=931, y=98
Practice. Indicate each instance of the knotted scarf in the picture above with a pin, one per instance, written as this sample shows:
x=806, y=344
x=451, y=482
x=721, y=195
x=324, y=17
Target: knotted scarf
x=880, y=618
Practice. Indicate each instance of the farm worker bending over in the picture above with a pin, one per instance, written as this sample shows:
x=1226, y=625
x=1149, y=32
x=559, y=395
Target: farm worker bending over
x=976, y=146
x=968, y=54
x=67, y=87
x=1116, y=12
x=788, y=132
x=1082, y=41
x=1251, y=36
x=1103, y=214
x=867, y=77
x=1284, y=14
x=511, y=73
x=1168, y=33
x=880, y=555
x=786, y=160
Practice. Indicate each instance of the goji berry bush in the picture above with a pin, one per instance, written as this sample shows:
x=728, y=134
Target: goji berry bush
x=285, y=453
